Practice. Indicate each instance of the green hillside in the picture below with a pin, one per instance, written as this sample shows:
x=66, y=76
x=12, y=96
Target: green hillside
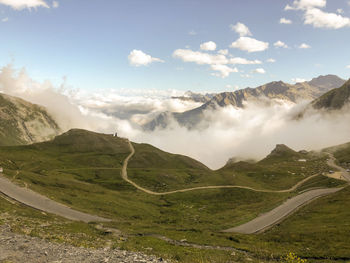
x=82, y=169
x=281, y=169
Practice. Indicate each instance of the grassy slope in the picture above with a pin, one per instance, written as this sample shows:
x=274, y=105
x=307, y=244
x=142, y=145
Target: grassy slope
x=25, y=220
x=320, y=229
x=82, y=170
x=160, y=171
x=279, y=170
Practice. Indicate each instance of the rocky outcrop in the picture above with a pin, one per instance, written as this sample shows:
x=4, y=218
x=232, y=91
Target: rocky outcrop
x=22, y=122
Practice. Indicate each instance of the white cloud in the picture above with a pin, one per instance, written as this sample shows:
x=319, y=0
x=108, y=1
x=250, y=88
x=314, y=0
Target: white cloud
x=271, y=60
x=217, y=62
x=246, y=76
x=227, y=132
x=298, y=80
x=348, y=66
x=280, y=44
x=200, y=58
x=249, y=133
x=306, y=4
x=320, y=19
x=6, y=19
x=243, y=61
x=241, y=29
x=250, y=44
x=208, y=46
x=224, y=70
x=22, y=4
x=340, y=11
x=285, y=21
x=139, y=58
x=313, y=15
x=223, y=52
x=304, y=46
x=232, y=87
x=260, y=71
x=55, y=4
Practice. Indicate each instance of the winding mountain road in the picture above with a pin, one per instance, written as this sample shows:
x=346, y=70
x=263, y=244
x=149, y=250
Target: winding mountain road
x=126, y=178
x=40, y=202
x=267, y=220
x=261, y=223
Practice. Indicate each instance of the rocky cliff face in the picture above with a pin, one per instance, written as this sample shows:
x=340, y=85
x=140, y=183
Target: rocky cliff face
x=23, y=123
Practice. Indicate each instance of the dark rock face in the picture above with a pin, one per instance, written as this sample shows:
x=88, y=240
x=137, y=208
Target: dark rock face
x=335, y=99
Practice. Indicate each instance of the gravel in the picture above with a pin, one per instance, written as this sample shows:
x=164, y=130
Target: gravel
x=21, y=248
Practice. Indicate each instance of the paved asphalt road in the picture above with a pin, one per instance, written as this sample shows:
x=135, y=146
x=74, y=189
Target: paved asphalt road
x=35, y=200
x=331, y=163
x=279, y=213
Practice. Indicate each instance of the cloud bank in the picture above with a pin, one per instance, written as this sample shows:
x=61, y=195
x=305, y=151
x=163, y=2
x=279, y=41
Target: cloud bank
x=246, y=133
x=23, y=4
x=315, y=16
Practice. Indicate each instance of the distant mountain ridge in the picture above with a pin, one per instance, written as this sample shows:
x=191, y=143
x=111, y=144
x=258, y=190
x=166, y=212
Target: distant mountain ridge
x=334, y=99
x=195, y=97
x=22, y=122
x=274, y=90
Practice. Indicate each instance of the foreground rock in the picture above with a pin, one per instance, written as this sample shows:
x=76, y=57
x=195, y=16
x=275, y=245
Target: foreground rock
x=20, y=248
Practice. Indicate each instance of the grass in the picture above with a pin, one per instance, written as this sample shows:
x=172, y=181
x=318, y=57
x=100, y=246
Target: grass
x=321, y=182
x=28, y=221
x=82, y=169
x=319, y=230
x=159, y=171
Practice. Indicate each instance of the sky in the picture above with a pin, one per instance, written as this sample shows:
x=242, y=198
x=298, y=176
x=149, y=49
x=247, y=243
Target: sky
x=198, y=45
x=113, y=65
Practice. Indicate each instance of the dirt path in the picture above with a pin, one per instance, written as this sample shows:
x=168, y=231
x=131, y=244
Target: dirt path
x=125, y=177
x=40, y=202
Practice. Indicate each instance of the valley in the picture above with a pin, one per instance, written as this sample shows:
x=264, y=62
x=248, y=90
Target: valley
x=179, y=131
x=144, y=215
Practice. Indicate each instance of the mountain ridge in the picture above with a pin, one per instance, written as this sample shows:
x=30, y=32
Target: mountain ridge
x=334, y=99
x=272, y=90
x=22, y=122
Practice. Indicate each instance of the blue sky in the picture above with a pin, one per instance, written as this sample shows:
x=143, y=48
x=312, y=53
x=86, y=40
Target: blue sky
x=92, y=42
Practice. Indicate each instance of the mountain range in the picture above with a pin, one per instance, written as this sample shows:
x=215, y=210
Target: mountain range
x=308, y=90
x=22, y=122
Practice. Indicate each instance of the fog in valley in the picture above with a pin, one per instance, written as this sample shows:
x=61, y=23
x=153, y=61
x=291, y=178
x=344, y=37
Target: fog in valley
x=249, y=133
